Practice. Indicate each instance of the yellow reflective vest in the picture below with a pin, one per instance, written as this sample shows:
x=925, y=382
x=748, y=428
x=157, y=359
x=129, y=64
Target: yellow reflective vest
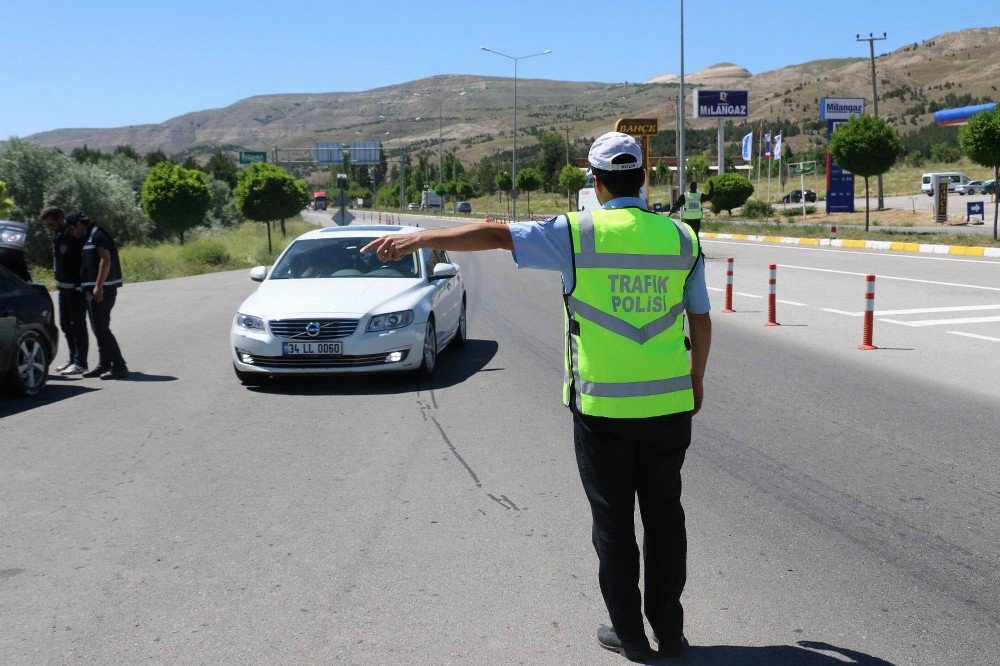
x=692, y=206
x=625, y=351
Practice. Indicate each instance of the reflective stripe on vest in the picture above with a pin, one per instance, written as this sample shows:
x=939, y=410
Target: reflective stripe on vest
x=692, y=206
x=624, y=319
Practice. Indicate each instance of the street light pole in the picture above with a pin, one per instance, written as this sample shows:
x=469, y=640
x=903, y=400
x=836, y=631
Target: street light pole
x=513, y=160
x=680, y=116
x=440, y=101
x=871, y=39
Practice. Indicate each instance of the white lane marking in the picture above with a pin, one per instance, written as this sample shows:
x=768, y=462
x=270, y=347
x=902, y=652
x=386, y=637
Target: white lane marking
x=842, y=312
x=952, y=308
x=943, y=322
x=973, y=335
x=801, y=305
x=987, y=260
x=892, y=277
x=714, y=289
x=740, y=293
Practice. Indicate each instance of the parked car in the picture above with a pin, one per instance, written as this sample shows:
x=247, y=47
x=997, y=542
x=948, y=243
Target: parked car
x=971, y=187
x=463, y=207
x=412, y=206
x=29, y=339
x=327, y=308
x=795, y=196
x=989, y=186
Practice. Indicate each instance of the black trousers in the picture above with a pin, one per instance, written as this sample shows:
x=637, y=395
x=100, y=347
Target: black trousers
x=619, y=460
x=73, y=322
x=110, y=356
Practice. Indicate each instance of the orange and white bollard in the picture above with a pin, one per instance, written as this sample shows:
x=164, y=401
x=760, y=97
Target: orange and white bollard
x=866, y=332
x=833, y=232
x=772, y=297
x=729, y=286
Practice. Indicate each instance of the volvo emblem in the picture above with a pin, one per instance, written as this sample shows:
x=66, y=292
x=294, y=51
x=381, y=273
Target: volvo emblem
x=312, y=329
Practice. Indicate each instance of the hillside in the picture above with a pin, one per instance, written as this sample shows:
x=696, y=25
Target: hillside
x=958, y=67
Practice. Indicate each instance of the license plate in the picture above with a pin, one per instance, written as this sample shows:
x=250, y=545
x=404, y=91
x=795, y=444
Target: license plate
x=312, y=348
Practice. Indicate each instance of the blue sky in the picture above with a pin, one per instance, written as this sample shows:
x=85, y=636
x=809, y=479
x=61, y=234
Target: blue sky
x=105, y=63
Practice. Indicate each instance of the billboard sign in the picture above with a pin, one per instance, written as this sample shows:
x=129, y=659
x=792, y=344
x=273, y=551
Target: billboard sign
x=328, y=152
x=720, y=103
x=250, y=156
x=365, y=152
x=840, y=108
x=839, y=183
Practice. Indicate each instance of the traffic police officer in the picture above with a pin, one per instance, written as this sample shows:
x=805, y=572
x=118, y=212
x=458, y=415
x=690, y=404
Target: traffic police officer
x=691, y=206
x=66, y=258
x=100, y=277
x=628, y=277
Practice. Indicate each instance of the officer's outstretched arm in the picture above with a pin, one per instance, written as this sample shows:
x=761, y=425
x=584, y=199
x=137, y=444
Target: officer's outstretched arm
x=468, y=238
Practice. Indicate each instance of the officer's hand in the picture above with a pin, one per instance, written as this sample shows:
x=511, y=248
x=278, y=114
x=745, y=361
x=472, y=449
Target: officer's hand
x=98, y=293
x=699, y=393
x=392, y=247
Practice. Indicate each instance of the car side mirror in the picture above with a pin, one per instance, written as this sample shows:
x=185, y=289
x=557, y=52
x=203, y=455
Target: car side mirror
x=444, y=271
x=258, y=273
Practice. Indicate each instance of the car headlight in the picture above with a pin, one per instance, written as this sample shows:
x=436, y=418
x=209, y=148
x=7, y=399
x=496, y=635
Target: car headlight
x=385, y=322
x=249, y=322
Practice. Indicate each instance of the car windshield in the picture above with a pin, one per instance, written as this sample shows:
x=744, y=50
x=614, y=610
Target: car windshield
x=339, y=258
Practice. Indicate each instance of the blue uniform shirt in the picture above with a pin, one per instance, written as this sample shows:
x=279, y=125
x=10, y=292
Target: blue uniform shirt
x=546, y=245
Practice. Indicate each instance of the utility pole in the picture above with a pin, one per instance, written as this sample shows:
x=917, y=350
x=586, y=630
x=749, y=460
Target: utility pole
x=871, y=39
x=569, y=203
x=680, y=116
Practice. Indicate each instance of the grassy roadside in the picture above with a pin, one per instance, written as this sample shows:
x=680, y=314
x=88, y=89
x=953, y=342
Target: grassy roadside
x=206, y=251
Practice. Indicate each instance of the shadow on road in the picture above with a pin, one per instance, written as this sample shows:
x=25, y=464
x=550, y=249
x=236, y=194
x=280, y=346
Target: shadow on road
x=805, y=653
x=134, y=376
x=52, y=393
x=455, y=365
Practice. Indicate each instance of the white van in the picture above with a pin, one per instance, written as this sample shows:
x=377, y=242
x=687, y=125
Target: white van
x=954, y=179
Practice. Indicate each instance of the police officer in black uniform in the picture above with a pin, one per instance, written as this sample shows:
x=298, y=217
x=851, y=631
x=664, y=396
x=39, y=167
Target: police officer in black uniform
x=66, y=258
x=100, y=277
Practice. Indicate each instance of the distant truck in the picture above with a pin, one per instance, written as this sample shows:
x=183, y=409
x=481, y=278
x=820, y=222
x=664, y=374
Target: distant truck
x=431, y=200
x=319, y=201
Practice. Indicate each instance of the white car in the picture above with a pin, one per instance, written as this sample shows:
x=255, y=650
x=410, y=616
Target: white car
x=326, y=308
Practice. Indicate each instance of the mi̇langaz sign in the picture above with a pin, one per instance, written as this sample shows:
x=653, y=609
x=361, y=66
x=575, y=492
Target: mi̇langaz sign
x=720, y=103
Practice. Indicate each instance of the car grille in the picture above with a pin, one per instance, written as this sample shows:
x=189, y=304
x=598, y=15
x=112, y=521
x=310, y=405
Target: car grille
x=330, y=329
x=326, y=361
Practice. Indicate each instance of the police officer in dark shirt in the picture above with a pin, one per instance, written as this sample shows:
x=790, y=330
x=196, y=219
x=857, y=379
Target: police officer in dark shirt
x=66, y=258
x=100, y=277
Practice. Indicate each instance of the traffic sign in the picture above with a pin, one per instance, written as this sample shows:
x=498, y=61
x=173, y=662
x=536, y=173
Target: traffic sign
x=249, y=156
x=343, y=217
x=801, y=170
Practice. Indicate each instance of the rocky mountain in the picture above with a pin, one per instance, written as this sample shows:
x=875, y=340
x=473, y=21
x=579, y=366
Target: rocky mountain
x=952, y=69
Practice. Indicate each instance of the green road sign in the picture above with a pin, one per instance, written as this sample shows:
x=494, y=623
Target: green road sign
x=801, y=170
x=249, y=157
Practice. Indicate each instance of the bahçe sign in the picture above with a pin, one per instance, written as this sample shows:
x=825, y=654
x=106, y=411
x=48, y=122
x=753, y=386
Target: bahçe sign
x=720, y=103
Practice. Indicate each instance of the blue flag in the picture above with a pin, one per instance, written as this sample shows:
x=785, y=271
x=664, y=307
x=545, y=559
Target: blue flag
x=748, y=147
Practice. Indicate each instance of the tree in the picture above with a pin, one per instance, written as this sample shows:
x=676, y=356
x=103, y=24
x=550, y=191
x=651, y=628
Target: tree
x=572, y=179
x=528, y=181
x=503, y=183
x=729, y=191
x=266, y=192
x=155, y=157
x=552, y=153
x=5, y=202
x=175, y=198
x=697, y=168
x=222, y=167
x=980, y=139
x=191, y=164
x=866, y=146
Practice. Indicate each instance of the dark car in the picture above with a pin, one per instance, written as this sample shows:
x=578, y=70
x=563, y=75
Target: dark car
x=463, y=207
x=28, y=336
x=990, y=187
x=795, y=196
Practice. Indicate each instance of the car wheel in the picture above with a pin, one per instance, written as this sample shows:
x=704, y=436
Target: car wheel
x=462, y=334
x=30, y=370
x=430, y=351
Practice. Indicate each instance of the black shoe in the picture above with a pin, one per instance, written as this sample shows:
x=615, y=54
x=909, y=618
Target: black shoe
x=672, y=649
x=608, y=639
x=116, y=373
x=96, y=372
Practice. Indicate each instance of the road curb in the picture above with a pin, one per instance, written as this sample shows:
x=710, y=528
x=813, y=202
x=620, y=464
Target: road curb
x=891, y=246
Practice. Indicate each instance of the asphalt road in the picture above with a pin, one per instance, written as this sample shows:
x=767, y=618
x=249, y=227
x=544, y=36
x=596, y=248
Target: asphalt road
x=842, y=504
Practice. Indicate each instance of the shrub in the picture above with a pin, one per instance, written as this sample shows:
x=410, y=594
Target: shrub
x=756, y=210
x=206, y=252
x=729, y=191
x=796, y=210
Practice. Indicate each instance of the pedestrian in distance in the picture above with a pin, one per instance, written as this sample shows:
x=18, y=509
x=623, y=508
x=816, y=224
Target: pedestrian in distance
x=691, y=206
x=67, y=252
x=629, y=276
x=100, y=278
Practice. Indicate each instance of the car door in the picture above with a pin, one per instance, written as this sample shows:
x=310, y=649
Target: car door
x=454, y=294
x=8, y=319
x=444, y=297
